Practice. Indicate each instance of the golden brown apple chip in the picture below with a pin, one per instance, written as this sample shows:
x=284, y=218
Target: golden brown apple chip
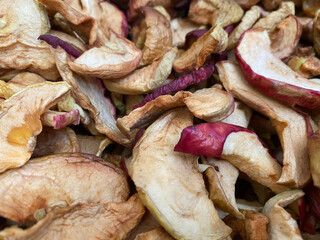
x=84, y=221
x=57, y=179
x=155, y=234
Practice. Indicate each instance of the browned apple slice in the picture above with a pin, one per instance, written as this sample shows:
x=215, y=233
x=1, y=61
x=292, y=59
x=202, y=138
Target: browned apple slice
x=93, y=144
x=84, y=221
x=180, y=27
x=285, y=37
x=20, y=121
x=310, y=7
x=307, y=28
x=290, y=125
x=316, y=32
x=170, y=184
x=155, y=234
x=246, y=4
x=60, y=179
x=213, y=41
x=314, y=153
x=270, y=75
x=59, y=120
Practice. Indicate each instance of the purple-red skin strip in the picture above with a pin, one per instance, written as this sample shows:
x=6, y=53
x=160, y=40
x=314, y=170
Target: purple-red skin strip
x=193, y=36
x=60, y=120
x=54, y=42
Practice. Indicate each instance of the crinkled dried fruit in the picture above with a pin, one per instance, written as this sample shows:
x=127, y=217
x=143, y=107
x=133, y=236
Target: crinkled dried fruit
x=20, y=121
x=246, y=4
x=75, y=42
x=314, y=153
x=182, y=207
x=290, y=125
x=180, y=27
x=307, y=67
x=307, y=28
x=93, y=144
x=25, y=79
x=241, y=115
x=112, y=221
x=270, y=4
x=59, y=120
x=193, y=36
x=213, y=41
x=310, y=7
x=316, y=32
x=155, y=234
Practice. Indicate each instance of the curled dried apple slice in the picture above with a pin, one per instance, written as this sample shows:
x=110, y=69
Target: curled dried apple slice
x=240, y=116
x=8, y=89
x=60, y=178
x=73, y=41
x=316, y=32
x=155, y=234
x=84, y=221
x=281, y=224
x=145, y=79
x=93, y=144
x=285, y=37
x=59, y=120
x=215, y=12
x=241, y=147
x=213, y=41
x=180, y=27
x=310, y=7
x=307, y=67
x=290, y=125
x=20, y=121
x=270, y=75
x=307, y=28
x=89, y=94
x=181, y=207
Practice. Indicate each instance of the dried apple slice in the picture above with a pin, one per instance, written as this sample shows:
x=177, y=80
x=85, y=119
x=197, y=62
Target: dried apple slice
x=316, y=32
x=59, y=120
x=20, y=121
x=145, y=79
x=180, y=27
x=213, y=41
x=271, y=20
x=307, y=28
x=310, y=7
x=285, y=37
x=89, y=94
x=84, y=221
x=290, y=125
x=215, y=12
x=314, y=153
x=307, y=67
x=73, y=41
x=240, y=116
x=155, y=234
x=60, y=178
x=270, y=4
x=93, y=144
x=181, y=207
x=281, y=224
x=247, y=22
x=246, y=4
x=270, y=75
x=8, y=89
x=25, y=79
x=52, y=141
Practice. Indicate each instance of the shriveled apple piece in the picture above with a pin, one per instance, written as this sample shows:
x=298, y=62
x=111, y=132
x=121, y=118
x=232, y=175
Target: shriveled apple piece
x=215, y=12
x=60, y=178
x=246, y=4
x=213, y=41
x=155, y=234
x=193, y=36
x=222, y=177
x=290, y=125
x=145, y=79
x=59, y=120
x=285, y=37
x=270, y=4
x=247, y=22
x=93, y=144
x=241, y=115
x=75, y=42
x=241, y=147
x=89, y=94
x=307, y=28
x=270, y=21
x=25, y=79
x=52, y=141
x=169, y=183
x=316, y=32
x=252, y=227
x=307, y=67
x=84, y=221
x=281, y=224
x=8, y=89
x=180, y=27
x=314, y=153
x=19, y=46
x=310, y=7
x=270, y=75
x=20, y=121
x=210, y=104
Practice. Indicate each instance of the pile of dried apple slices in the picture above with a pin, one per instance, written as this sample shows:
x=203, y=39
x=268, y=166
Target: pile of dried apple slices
x=149, y=119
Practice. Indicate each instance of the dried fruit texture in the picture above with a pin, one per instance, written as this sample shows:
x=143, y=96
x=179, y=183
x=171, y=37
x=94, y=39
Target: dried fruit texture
x=252, y=227
x=316, y=32
x=8, y=89
x=73, y=41
x=307, y=28
x=182, y=207
x=246, y=4
x=307, y=67
x=270, y=75
x=59, y=120
x=180, y=27
x=240, y=116
x=89, y=94
x=285, y=37
x=20, y=121
x=270, y=4
x=93, y=144
x=290, y=125
x=271, y=20
x=19, y=46
x=193, y=36
x=145, y=79
x=25, y=79
x=310, y=7
x=222, y=177
x=85, y=26
x=247, y=22
x=117, y=58
x=84, y=221
x=155, y=234
x=52, y=141
x=60, y=179
x=281, y=224
x=214, y=41
x=314, y=153
x=158, y=35
x=136, y=5
x=215, y=12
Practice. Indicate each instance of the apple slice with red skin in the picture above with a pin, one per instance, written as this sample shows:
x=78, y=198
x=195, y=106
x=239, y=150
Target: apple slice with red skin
x=270, y=75
x=238, y=145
